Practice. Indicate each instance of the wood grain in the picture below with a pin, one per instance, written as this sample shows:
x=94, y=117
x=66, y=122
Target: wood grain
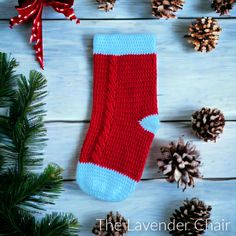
x=153, y=201
x=187, y=80
x=65, y=141
x=87, y=9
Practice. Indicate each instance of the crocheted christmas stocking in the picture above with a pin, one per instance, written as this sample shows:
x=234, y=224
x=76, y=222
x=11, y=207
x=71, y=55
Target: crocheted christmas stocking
x=124, y=116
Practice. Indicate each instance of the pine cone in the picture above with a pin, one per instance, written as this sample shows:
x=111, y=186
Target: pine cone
x=204, y=34
x=194, y=215
x=180, y=162
x=112, y=225
x=223, y=7
x=106, y=5
x=166, y=8
x=208, y=123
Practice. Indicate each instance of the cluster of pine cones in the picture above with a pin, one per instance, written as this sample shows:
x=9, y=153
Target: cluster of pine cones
x=168, y=8
x=180, y=161
x=194, y=215
x=203, y=34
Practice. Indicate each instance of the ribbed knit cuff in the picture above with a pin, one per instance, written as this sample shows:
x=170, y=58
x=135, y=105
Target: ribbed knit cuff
x=125, y=44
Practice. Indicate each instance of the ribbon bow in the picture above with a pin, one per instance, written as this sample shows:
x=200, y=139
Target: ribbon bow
x=32, y=9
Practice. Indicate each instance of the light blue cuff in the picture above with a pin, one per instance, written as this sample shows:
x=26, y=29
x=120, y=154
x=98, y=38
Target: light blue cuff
x=124, y=44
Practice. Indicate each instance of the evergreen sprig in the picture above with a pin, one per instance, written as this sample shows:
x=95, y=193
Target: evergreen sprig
x=22, y=138
x=7, y=79
x=26, y=126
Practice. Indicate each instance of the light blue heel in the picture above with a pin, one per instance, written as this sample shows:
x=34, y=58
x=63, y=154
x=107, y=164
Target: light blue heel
x=150, y=123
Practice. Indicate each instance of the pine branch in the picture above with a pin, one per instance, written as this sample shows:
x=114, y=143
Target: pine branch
x=16, y=220
x=8, y=153
x=53, y=224
x=31, y=191
x=26, y=124
x=62, y=224
x=7, y=95
x=22, y=138
x=7, y=79
x=17, y=223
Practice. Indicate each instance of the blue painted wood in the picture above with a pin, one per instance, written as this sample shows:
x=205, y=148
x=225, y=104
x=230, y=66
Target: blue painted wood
x=153, y=201
x=218, y=159
x=87, y=9
x=188, y=80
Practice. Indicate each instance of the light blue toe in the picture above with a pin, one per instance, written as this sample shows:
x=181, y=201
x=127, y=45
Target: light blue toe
x=103, y=183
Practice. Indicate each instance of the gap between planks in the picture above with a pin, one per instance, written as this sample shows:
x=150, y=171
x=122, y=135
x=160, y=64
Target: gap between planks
x=73, y=134
x=78, y=67
x=162, y=178
x=129, y=19
x=88, y=121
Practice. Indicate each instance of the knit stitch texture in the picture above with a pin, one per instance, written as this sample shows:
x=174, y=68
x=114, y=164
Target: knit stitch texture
x=124, y=116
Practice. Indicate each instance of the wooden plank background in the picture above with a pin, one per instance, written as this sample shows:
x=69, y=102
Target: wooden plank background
x=187, y=80
x=86, y=9
x=66, y=139
x=153, y=201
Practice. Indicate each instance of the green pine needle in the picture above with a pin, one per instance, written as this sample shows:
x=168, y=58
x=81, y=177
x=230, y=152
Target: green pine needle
x=7, y=79
x=17, y=223
x=62, y=224
x=31, y=191
x=54, y=224
x=23, y=132
x=26, y=125
x=22, y=139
